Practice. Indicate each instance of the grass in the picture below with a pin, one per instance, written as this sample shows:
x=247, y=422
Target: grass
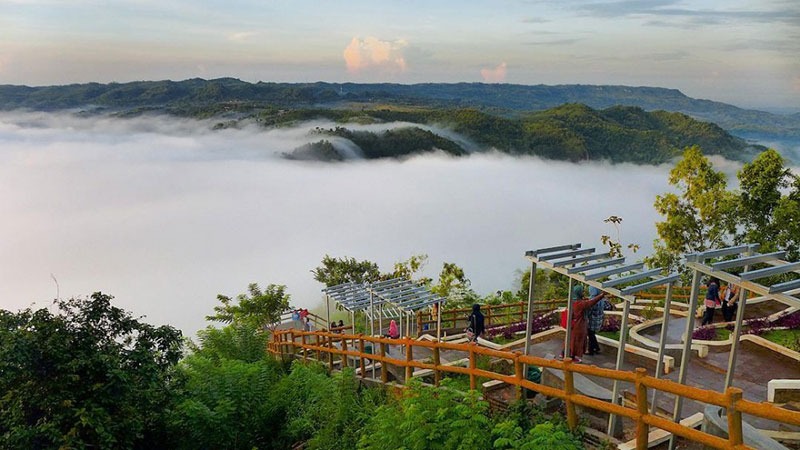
x=787, y=338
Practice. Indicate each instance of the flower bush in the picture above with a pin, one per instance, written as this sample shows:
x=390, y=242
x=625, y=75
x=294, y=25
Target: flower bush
x=611, y=324
x=790, y=321
x=705, y=333
x=539, y=323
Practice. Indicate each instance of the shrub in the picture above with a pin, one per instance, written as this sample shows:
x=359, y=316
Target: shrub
x=790, y=321
x=705, y=333
x=758, y=326
x=611, y=324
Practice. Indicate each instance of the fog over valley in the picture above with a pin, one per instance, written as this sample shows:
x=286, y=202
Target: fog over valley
x=165, y=214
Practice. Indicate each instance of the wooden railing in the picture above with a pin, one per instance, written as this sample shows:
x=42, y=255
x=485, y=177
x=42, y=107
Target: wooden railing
x=493, y=314
x=332, y=345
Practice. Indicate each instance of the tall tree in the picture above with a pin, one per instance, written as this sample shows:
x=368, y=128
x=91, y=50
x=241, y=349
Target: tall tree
x=335, y=271
x=767, y=215
x=408, y=268
x=258, y=308
x=698, y=217
x=88, y=376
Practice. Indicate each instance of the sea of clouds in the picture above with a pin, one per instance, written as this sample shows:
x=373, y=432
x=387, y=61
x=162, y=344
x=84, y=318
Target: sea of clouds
x=165, y=214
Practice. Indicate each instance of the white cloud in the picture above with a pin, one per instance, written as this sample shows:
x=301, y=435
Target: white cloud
x=495, y=75
x=242, y=36
x=374, y=54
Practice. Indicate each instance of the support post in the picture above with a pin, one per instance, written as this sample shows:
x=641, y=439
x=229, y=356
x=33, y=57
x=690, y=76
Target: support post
x=316, y=344
x=439, y=322
x=384, y=371
x=303, y=341
x=330, y=352
x=687, y=350
x=361, y=356
x=735, y=436
x=642, y=429
x=344, y=354
x=437, y=374
x=529, y=318
x=518, y=375
x=328, y=309
x=661, y=342
x=472, y=381
x=568, y=336
x=737, y=331
x=409, y=358
x=623, y=337
x=569, y=390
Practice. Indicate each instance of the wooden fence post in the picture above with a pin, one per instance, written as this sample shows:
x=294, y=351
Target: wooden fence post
x=437, y=375
x=472, y=382
x=569, y=390
x=409, y=358
x=642, y=429
x=291, y=344
x=361, y=356
x=316, y=344
x=329, y=340
x=384, y=371
x=518, y=375
x=303, y=341
x=734, y=417
x=522, y=312
x=344, y=354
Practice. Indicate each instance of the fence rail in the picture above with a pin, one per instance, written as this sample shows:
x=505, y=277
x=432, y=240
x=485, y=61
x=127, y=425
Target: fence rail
x=334, y=345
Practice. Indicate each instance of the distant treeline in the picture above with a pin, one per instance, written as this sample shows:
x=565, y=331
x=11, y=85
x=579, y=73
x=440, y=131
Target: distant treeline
x=570, y=132
x=197, y=97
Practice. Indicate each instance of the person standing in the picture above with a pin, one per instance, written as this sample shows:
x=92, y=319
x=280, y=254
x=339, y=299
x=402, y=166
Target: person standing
x=580, y=306
x=729, y=298
x=476, y=324
x=596, y=317
x=711, y=301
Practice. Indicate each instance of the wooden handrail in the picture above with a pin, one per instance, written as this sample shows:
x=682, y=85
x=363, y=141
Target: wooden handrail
x=284, y=342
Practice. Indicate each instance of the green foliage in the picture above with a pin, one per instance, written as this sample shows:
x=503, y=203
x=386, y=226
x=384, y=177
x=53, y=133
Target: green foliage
x=256, y=309
x=228, y=404
x=408, y=268
x=699, y=217
x=396, y=142
x=454, y=286
x=335, y=271
x=768, y=216
x=426, y=418
x=548, y=285
x=88, y=376
x=240, y=341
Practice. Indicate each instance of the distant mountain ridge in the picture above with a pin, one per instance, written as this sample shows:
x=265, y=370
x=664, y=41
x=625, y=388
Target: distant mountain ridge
x=184, y=97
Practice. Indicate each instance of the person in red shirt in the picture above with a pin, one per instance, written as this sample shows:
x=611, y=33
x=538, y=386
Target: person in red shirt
x=580, y=329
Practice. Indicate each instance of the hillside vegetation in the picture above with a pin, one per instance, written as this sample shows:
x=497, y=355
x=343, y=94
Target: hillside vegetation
x=508, y=118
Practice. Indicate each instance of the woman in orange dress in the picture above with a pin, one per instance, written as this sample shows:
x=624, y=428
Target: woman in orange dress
x=579, y=324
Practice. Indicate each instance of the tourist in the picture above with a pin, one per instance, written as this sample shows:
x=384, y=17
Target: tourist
x=341, y=323
x=596, y=316
x=729, y=298
x=476, y=325
x=393, y=331
x=307, y=324
x=711, y=301
x=579, y=323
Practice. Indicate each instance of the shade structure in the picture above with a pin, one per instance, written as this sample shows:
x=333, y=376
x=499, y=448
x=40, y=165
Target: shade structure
x=396, y=298
x=744, y=266
x=607, y=273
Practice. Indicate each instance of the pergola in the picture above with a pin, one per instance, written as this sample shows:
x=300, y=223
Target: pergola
x=609, y=274
x=398, y=298
x=720, y=263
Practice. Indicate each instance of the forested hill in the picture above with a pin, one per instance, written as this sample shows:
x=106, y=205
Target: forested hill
x=572, y=132
x=190, y=96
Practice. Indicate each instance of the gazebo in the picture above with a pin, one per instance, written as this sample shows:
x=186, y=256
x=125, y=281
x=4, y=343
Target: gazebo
x=609, y=274
x=397, y=298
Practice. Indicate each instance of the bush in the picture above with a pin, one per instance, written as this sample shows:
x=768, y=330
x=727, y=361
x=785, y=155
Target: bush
x=705, y=333
x=611, y=324
x=790, y=321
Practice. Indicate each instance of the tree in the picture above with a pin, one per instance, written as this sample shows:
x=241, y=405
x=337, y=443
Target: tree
x=334, y=271
x=698, y=217
x=88, y=376
x=408, y=268
x=260, y=309
x=766, y=215
x=454, y=286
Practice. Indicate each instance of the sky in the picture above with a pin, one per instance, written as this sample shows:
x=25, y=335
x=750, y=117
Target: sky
x=743, y=52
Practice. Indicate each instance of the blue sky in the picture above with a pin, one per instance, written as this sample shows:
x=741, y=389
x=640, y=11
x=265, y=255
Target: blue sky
x=742, y=52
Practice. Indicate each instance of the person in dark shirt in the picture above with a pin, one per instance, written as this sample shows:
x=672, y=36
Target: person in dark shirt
x=476, y=322
x=711, y=301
